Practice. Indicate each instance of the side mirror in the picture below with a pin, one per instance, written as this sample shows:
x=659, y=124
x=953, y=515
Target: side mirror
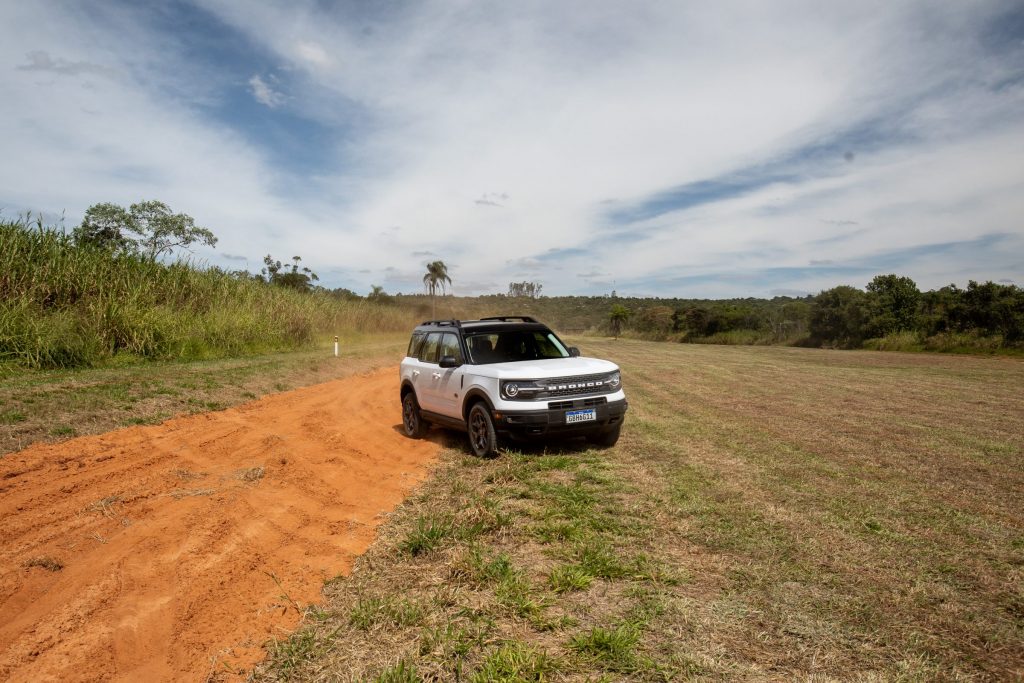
x=449, y=362
x=574, y=352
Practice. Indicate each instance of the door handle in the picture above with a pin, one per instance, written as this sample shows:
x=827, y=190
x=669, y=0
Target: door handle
x=415, y=373
x=437, y=375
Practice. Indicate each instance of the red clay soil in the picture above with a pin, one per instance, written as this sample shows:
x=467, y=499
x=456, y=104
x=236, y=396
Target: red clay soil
x=181, y=557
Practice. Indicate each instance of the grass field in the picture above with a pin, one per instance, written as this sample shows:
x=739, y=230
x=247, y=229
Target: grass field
x=769, y=513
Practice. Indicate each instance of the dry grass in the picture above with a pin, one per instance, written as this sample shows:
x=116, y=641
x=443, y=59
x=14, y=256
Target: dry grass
x=50, y=564
x=250, y=474
x=769, y=513
x=178, y=494
x=105, y=506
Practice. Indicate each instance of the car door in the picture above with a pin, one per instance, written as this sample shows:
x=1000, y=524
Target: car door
x=448, y=381
x=427, y=372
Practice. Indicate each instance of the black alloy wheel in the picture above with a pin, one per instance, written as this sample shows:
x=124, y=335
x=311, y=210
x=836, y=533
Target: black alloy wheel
x=482, y=437
x=411, y=420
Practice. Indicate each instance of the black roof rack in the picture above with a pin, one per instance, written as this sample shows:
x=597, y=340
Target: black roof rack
x=443, y=323
x=506, y=318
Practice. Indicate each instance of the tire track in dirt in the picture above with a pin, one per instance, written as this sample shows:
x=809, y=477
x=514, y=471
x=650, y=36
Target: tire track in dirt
x=173, y=540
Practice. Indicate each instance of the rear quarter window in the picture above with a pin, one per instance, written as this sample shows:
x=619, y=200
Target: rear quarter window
x=415, y=344
x=428, y=351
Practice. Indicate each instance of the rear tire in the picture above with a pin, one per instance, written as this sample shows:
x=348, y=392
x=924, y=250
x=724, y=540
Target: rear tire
x=412, y=422
x=483, y=439
x=606, y=439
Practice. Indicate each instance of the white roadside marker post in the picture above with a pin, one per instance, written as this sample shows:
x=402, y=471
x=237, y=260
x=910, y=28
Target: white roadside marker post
x=335, y=346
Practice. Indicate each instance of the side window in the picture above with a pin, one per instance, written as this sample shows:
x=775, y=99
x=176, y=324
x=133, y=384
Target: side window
x=450, y=347
x=428, y=351
x=481, y=347
x=414, y=345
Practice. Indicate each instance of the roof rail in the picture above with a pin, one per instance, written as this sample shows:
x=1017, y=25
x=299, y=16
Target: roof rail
x=443, y=323
x=506, y=318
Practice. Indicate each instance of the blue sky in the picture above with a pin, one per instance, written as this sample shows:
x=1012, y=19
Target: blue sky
x=659, y=149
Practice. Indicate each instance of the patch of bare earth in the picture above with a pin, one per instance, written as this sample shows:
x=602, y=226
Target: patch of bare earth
x=56, y=405
x=174, y=551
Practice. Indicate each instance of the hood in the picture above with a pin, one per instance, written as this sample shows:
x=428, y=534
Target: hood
x=545, y=369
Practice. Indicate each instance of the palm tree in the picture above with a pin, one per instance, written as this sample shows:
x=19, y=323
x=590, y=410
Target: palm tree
x=436, y=277
x=617, y=316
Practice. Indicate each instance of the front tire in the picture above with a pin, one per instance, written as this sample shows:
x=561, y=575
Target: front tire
x=412, y=422
x=483, y=439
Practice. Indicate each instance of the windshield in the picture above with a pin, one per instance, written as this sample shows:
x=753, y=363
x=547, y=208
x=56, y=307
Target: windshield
x=513, y=345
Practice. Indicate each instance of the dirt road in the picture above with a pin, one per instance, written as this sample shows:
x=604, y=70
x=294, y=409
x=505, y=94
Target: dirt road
x=183, y=547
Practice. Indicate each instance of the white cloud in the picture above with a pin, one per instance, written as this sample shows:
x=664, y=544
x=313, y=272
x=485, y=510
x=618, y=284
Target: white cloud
x=562, y=107
x=312, y=53
x=265, y=94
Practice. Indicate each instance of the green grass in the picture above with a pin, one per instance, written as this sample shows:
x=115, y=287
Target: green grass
x=610, y=648
x=386, y=611
x=569, y=578
x=427, y=535
x=68, y=306
x=768, y=513
x=514, y=662
x=403, y=672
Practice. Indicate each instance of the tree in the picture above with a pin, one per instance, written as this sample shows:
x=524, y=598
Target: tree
x=892, y=305
x=617, y=317
x=654, y=320
x=839, y=316
x=103, y=226
x=379, y=296
x=995, y=309
x=345, y=294
x=525, y=289
x=161, y=231
x=277, y=274
x=157, y=230
x=694, y=321
x=436, y=277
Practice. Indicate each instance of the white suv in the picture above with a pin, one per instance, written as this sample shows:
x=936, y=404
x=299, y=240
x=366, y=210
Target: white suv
x=507, y=376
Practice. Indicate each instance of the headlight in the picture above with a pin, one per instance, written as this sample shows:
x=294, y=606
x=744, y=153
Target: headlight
x=614, y=380
x=520, y=389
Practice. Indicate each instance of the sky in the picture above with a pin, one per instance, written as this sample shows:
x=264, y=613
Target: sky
x=672, y=149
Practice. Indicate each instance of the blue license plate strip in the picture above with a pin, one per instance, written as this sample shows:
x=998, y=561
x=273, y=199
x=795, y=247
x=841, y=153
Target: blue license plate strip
x=574, y=416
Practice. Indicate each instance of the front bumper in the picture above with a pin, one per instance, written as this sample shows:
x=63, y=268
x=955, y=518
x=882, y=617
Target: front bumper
x=550, y=421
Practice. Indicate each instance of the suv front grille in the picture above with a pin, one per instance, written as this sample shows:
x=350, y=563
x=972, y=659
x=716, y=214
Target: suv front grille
x=569, y=386
x=583, y=403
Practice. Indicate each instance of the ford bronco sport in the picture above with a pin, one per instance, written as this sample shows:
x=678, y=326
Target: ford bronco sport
x=507, y=376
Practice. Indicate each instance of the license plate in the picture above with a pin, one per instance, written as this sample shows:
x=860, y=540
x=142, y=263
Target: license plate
x=573, y=416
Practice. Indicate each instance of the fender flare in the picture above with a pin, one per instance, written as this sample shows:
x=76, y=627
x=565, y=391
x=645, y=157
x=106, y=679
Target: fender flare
x=471, y=397
x=406, y=388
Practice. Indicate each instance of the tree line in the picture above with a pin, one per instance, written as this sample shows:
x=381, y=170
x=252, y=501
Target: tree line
x=891, y=311
x=846, y=316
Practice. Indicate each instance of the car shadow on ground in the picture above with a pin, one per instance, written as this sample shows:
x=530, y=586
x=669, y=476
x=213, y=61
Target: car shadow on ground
x=450, y=438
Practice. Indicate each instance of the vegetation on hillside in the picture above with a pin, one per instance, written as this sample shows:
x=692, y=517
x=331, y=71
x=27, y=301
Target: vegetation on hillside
x=71, y=302
x=108, y=290
x=891, y=313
